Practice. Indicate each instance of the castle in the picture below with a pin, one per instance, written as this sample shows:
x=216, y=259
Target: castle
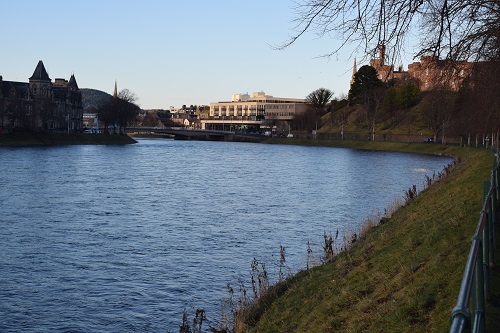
x=429, y=74
x=40, y=104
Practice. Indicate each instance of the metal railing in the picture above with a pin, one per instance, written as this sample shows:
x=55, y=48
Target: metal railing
x=469, y=313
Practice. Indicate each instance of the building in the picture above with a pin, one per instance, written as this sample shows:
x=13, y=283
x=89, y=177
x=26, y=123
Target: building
x=40, y=104
x=249, y=113
x=386, y=73
x=430, y=73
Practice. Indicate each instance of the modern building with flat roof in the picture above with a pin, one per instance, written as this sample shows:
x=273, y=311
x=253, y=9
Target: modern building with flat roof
x=249, y=113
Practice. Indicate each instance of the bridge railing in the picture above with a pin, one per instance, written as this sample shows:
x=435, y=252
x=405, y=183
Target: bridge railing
x=469, y=313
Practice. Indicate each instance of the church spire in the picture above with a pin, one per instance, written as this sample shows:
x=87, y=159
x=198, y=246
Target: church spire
x=115, y=92
x=72, y=82
x=354, y=70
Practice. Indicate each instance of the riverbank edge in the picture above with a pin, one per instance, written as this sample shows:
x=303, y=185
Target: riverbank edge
x=297, y=305
x=34, y=139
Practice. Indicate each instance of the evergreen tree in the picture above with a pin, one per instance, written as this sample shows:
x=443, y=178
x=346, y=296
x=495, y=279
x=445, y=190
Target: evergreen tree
x=365, y=79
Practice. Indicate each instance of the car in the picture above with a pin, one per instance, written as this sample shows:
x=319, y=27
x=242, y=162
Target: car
x=429, y=140
x=290, y=135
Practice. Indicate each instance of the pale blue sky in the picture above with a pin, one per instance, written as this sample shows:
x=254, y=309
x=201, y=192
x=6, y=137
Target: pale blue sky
x=169, y=53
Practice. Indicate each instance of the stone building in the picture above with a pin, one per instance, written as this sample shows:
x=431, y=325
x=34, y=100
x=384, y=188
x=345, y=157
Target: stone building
x=40, y=104
x=429, y=73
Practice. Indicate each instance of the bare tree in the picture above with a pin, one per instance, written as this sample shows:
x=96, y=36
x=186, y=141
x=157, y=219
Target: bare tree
x=452, y=29
x=372, y=102
x=339, y=111
x=119, y=111
x=437, y=110
x=319, y=98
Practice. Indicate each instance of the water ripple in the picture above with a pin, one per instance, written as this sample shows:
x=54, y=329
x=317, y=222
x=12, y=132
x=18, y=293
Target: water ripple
x=122, y=239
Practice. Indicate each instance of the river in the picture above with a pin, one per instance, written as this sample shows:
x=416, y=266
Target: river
x=124, y=238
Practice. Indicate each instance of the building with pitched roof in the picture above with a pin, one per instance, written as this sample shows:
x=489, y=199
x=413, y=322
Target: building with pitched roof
x=40, y=104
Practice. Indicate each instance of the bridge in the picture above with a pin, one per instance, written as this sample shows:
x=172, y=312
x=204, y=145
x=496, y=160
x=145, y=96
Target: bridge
x=194, y=134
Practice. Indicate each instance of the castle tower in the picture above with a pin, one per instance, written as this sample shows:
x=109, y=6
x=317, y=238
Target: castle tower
x=381, y=50
x=40, y=84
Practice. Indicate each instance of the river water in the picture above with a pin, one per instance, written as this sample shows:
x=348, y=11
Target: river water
x=124, y=238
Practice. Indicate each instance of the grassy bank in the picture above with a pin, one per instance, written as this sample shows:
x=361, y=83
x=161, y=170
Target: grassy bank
x=403, y=276
x=48, y=139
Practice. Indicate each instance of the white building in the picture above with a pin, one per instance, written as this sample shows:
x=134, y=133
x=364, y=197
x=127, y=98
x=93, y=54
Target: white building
x=248, y=113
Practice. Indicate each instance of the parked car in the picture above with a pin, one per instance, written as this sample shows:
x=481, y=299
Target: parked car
x=290, y=135
x=429, y=140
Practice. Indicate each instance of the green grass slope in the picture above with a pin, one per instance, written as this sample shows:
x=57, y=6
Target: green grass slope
x=403, y=276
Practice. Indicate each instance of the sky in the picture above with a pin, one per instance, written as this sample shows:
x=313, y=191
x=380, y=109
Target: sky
x=170, y=53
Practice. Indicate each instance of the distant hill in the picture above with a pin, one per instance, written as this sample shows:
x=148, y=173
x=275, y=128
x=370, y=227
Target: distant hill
x=92, y=98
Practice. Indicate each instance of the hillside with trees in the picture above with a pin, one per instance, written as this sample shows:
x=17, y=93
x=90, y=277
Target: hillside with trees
x=377, y=111
x=92, y=99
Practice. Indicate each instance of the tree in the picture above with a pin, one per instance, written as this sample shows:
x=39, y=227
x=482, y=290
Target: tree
x=319, y=98
x=399, y=99
x=127, y=109
x=365, y=79
x=453, y=29
x=367, y=89
x=339, y=111
x=437, y=109
x=317, y=101
x=119, y=111
x=372, y=101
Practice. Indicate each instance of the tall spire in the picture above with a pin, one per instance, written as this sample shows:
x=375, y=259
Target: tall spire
x=354, y=70
x=72, y=82
x=115, y=92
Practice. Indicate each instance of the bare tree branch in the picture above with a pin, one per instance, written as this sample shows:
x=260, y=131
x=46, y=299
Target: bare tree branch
x=453, y=29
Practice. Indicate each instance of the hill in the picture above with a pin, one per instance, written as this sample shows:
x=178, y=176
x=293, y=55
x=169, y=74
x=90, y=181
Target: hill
x=93, y=98
x=354, y=119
